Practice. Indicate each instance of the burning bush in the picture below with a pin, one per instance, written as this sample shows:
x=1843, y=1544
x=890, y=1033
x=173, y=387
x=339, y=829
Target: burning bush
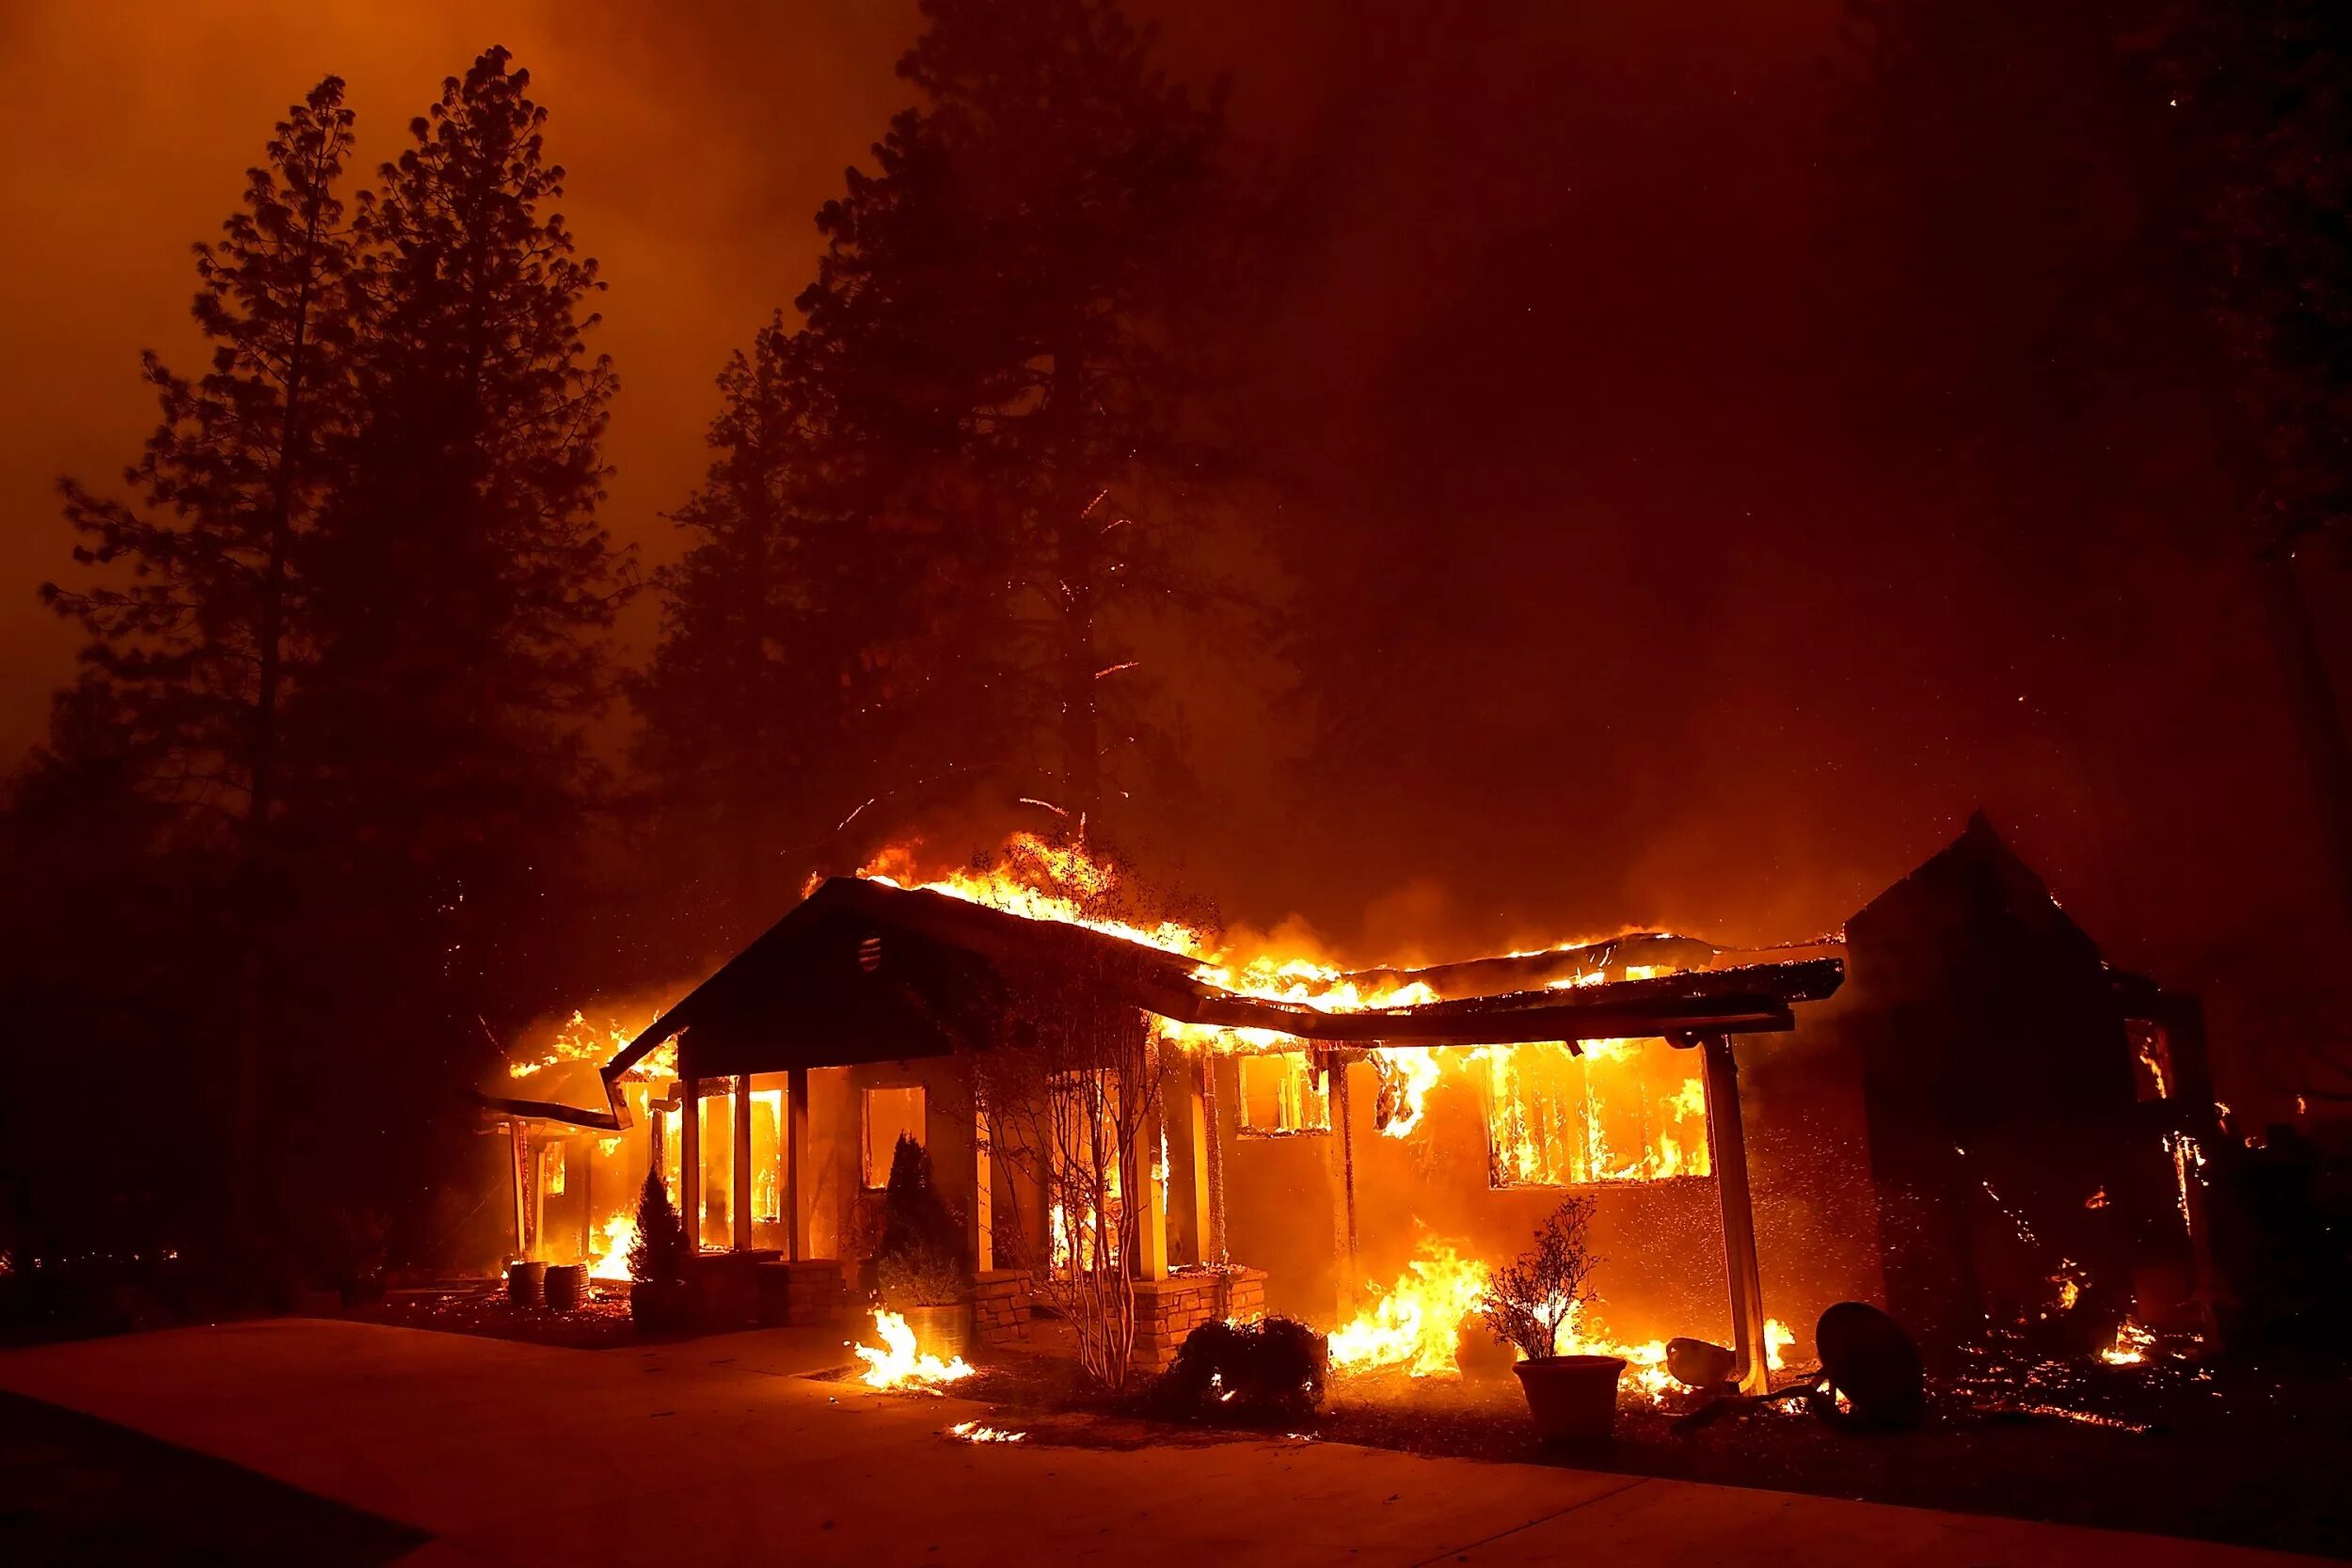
x=1267, y=1371
x=1529, y=1302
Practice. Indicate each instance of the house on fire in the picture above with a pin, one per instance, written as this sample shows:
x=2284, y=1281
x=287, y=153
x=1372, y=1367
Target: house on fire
x=1958, y=1110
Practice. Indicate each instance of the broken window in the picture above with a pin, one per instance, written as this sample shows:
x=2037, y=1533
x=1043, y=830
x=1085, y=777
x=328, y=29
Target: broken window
x=1623, y=1110
x=1282, y=1093
x=890, y=1113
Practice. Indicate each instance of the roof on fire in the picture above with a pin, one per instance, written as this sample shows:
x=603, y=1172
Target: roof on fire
x=864, y=970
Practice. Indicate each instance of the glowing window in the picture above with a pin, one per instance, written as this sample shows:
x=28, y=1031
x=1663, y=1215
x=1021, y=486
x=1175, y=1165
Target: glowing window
x=1623, y=1111
x=1282, y=1093
x=889, y=1114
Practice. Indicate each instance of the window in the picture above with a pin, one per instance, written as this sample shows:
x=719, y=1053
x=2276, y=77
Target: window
x=890, y=1113
x=1623, y=1111
x=1282, y=1093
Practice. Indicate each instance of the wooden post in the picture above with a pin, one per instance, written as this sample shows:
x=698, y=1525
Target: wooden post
x=1215, y=1161
x=690, y=1156
x=1336, y=1088
x=1190, y=1226
x=518, y=1161
x=742, y=1163
x=796, y=1164
x=1728, y=1139
x=1143, y=1193
x=983, y=1193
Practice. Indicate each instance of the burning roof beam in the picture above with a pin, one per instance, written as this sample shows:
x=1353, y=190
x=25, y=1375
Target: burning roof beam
x=1749, y=1001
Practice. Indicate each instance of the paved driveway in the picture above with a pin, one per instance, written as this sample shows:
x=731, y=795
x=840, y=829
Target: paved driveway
x=717, y=1453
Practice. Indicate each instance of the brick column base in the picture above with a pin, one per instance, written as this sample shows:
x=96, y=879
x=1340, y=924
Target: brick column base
x=1000, y=1306
x=1168, y=1309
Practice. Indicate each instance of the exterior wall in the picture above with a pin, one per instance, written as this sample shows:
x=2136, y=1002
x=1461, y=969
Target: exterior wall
x=845, y=1216
x=1662, y=1270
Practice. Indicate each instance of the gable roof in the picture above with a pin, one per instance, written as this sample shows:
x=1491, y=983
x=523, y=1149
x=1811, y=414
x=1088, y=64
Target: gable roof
x=864, y=970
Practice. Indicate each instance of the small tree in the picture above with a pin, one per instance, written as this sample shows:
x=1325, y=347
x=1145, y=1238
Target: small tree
x=1529, y=1302
x=921, y=1255
x=656, y=1254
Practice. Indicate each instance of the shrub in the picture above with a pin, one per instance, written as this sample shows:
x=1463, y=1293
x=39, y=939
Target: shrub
x=1269, y=1369
x=1528, y=1302
x=920, y=1257
x=658, y=1252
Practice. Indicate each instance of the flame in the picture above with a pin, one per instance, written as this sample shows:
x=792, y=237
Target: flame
x=620, y=1233
x=1416, y=1324
x=973, y=1432
x=1658, y=1113
x=898, y=1366
x=1777, y=1338
x=579, y=1041
x=2132, y=1345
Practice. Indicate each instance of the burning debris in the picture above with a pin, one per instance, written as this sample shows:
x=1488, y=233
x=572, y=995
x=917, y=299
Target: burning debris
x=975, y=1432
x=899, y=1365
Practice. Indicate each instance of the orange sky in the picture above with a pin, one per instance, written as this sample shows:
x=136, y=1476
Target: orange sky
x=1654, y=628
x=694, y=171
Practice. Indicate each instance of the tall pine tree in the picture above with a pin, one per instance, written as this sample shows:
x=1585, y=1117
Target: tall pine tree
x=462, y=582
x=204, y=637
x=1017, y=291
x=461, y=588
x=742, y=702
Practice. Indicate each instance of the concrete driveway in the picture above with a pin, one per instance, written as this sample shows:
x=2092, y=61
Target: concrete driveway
x=718, y=1452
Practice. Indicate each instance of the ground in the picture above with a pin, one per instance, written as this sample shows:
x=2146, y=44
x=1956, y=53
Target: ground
x=77, y=1490
x=724, y=1450
x=480, y=1306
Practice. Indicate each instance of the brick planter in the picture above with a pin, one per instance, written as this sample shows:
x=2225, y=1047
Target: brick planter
x=723, y=1291
x=798, y=1293
x=1168, y=1309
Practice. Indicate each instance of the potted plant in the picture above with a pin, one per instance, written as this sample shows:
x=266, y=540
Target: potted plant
x=656, y=1261
x=1572, y=1397
x=919, y=1265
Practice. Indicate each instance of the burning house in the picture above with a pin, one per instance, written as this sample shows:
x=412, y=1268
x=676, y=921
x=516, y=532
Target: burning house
x=1959, y=1110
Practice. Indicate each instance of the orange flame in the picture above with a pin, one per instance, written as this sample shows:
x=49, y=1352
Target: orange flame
x=898, y=1365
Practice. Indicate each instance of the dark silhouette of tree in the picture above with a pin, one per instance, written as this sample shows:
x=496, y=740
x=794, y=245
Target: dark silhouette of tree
x=743, y=700
x=1016, y=293
x=201, y=641
x=203, y=638
x=460, y=581
x=460, y=587
x=2262, y=89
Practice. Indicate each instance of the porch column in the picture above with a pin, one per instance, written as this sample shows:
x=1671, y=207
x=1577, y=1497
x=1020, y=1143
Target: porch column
x=518, y=1166
x=1190, y=1229
x=1342, y=1115
x=983, y=1194
x=689, y=1154
x=1728, y=1140
x=796, y=1162
x=742, y=1163
x=1142, y=1194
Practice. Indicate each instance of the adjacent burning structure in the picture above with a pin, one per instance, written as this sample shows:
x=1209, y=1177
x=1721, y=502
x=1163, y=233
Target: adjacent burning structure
x=1985, y=1119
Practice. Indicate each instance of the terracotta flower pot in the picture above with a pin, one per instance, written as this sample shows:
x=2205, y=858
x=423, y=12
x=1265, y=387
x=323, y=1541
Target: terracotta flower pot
x=527, y=1282
x=566, y=1287
x=1572, y=1397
